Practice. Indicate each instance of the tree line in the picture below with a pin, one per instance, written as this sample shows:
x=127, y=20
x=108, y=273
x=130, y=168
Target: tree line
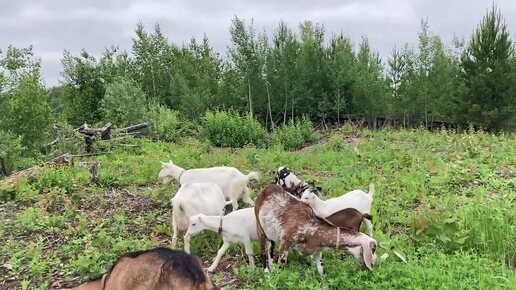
x=273, y=78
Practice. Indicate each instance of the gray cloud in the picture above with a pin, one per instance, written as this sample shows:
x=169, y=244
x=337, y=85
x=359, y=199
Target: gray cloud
x=53, y=26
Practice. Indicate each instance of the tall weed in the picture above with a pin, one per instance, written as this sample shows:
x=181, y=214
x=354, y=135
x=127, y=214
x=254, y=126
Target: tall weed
x=295, y=134
x=230, y=129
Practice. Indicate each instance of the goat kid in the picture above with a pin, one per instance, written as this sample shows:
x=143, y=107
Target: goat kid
x=158, y=268
x=192, y=199
x=292, y=184
x=232, y=182
x=236, y=227
x=284, y=218
x=349, y=218
x=356, y=199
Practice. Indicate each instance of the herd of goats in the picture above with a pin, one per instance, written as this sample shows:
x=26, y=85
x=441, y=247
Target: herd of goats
x=290, y=212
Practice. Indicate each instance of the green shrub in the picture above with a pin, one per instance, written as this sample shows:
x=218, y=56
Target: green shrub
x=295, y=134
x=10, y=150
x=307, y=130
x=230, y=129
x=336, y=143
x=164, y=123
x=123, y=103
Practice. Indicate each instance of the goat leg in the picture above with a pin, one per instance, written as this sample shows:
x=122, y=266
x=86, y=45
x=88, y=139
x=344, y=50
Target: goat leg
x=221, y=252
x=246, y=198
x=249, y=251
x=174, y=235
x=263, y=255
x=318, y=262
x=283, y=252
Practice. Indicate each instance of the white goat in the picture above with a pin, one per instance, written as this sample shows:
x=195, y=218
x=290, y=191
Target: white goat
x=236, y=227
x=192, y=199
x=356, y=199
x=232, y=182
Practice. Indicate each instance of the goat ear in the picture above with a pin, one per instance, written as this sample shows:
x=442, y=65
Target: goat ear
x=367, y=255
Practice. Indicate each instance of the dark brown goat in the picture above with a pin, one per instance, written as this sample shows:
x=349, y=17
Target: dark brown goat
x=349, y=218
x=282, y=217
x=158, y=268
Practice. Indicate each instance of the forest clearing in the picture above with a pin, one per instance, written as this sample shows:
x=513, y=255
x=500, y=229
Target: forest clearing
x=444, y=211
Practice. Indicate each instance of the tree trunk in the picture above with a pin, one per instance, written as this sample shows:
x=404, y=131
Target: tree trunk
x=292, y=107
x=134, y=127
x=286, y=102
x=105, y=132
x=338, y=106
x=250, y=98
x=3, y=168
x=269, y=104
x=153, y=82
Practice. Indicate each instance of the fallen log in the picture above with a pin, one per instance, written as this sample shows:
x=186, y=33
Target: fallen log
x=134, y=128
x=105, y=132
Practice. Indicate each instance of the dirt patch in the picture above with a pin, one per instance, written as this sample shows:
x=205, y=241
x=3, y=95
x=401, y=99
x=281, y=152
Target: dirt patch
x=350, y=139
x=224, y=269
x=8, y=211
x=353, y=139
x=114, y=199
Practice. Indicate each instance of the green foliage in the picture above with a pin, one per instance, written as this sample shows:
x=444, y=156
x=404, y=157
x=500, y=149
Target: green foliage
x=10, y=150
x=487, y=96
x=26, y=111
x=83, y=88
x=124, y=103
x=59, y=178
x=295, y=134
x=164, y=123
x=230, y=129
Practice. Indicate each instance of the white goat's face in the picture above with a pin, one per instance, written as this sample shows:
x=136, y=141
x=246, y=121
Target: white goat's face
x=165, y=172
x=308, y=196
x=195, y=225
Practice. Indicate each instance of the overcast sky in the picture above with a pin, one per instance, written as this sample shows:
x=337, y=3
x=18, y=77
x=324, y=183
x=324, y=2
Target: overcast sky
x=53, y=26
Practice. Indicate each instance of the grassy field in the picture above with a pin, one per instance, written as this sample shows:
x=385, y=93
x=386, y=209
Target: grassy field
x=444, y=212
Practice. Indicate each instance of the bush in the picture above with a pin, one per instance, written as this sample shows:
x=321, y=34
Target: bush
x=164, y=123
x=230, y=129
x=295, y=134
x=26, y=112
x=124, y=103
x=10, y=149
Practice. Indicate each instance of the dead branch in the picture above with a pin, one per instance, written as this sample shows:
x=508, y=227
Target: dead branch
x=134, y=128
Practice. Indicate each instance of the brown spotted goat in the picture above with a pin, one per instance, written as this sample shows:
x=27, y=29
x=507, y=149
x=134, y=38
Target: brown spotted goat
x=284, y=218
x=158, y=268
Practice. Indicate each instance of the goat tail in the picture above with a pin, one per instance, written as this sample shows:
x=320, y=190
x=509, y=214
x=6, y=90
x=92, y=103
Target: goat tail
x=367, y=216
x=177, y=206
x=371, y=189
x=253, y=175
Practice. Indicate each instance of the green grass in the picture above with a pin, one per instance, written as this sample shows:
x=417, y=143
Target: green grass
x=444, y=212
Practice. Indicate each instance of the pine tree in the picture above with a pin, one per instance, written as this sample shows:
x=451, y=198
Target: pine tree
x=487, y=96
